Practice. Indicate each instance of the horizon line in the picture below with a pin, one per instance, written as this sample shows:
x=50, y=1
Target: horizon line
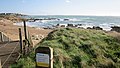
x=59, y=14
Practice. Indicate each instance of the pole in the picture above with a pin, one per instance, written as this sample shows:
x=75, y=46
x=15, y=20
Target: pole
x=20, y=37
x=1, y=37
x=25, y=30
x=0, y=64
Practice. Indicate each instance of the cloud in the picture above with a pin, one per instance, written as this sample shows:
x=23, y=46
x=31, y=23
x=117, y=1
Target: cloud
x=67, y=1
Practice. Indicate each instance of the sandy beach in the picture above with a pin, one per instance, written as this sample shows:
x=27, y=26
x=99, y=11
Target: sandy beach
x=7, y=27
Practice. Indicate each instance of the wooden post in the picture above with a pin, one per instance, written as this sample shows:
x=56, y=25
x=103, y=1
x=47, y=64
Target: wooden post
x=20, y=37
x=0, y=64
x=28, y=39
x=25, y=30
x=1, y=37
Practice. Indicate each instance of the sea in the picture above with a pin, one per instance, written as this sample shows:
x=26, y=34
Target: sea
x=105, y=22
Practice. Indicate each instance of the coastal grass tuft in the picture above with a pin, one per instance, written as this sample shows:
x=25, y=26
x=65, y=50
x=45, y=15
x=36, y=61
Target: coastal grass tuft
x=81, y=48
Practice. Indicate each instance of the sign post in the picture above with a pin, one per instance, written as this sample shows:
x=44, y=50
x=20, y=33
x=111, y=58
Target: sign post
x=44, y=56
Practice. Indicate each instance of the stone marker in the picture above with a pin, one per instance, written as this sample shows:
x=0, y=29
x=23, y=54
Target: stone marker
x=44, y=56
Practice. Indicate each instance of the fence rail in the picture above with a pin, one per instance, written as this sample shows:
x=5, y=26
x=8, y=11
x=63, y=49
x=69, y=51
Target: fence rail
x=3, y=37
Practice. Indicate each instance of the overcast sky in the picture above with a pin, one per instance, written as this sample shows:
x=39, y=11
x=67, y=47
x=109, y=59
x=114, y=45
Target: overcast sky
x=62, y=7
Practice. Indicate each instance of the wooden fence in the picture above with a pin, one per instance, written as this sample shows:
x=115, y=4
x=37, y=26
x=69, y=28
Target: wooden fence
x=10, y=51
x=3, y=37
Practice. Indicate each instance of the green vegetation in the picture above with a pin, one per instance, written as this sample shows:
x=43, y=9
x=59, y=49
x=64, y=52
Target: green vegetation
x=80, y=48
x=25, y=62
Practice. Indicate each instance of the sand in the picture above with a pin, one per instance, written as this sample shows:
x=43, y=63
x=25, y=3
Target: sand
x=12, y=31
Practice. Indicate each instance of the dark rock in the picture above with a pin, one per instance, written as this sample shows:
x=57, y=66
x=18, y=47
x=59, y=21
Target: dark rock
x=79, y=24
x=58, y=25
x=63, y=26
x=115, y=28
x=70, y=25
x=89, y=28
x=97, y=28
x=76, y=25
x=66, y=19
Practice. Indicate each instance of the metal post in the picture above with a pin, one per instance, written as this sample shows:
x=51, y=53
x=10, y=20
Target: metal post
x=20, y=37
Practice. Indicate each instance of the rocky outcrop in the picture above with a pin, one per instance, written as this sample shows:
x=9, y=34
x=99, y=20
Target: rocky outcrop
x=115, y=28
x=97, y=28
x=89, y=28
x=70, y=25
x=62, y=25
x=66, y=19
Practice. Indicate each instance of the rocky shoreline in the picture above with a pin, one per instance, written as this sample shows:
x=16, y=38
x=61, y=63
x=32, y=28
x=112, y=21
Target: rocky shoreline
x=70, y=23
x=113, y=28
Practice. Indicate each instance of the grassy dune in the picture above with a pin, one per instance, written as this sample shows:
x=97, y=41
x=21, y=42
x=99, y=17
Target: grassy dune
x=79, y=48
x=83, y=48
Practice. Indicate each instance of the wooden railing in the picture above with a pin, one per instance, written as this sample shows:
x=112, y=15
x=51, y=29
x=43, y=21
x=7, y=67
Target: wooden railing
x=3, y=37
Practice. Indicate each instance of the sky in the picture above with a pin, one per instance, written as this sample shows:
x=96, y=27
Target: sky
x=62, y=7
